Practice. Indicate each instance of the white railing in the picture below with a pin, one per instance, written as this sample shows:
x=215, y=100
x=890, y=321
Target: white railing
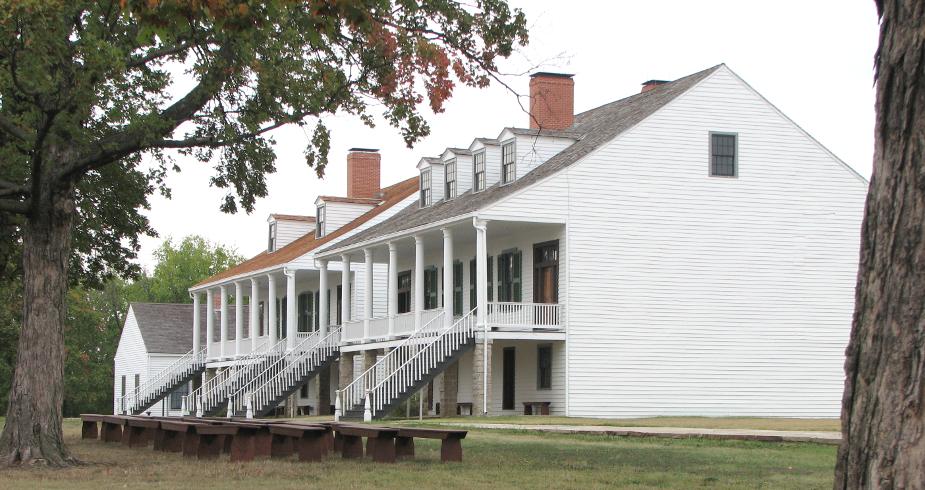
x=404, y=323
x=352, y=395
x=525, y=315
x=353, y=330
x=379, y=328
x=418, y=365
x=162, y=382
x=215, y=391
x=280, y=376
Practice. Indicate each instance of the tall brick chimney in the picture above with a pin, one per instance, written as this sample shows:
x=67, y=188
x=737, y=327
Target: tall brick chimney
x=651, y=84
x=363, y=173
x=552, y=100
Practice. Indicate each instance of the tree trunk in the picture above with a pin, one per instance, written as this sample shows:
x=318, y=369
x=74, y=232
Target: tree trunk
x=883, y=428
x=32, y=433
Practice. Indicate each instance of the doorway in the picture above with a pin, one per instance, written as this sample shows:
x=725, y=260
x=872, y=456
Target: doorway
x=546, y=272
x=507, y=379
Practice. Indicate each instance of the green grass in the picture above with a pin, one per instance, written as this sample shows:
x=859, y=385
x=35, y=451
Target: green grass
x=498, y=459
x=689, y=422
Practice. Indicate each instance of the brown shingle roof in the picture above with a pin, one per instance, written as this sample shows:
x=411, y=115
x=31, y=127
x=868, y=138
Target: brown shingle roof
x=293, y=217
x=354, y=200
x=391, y=196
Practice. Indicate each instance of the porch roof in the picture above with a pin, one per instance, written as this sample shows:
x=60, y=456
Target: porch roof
x=591, y=128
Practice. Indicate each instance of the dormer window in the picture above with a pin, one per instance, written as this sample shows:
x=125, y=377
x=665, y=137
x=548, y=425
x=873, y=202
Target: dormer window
x=508, y=168
x=426, y=195
x=450, y=186
x=478, y=171
x=271, y=238
x=319, y=222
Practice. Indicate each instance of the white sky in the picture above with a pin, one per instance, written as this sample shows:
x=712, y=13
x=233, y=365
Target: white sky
x=812, y=59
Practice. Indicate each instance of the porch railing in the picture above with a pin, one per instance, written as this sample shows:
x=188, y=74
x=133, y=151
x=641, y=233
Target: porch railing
x=353, y=394
x=160, y=384
x=525, y=315
x=353, y=330
x=379, y=327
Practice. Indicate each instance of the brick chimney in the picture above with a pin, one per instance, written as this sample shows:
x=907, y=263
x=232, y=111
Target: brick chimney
x=363, y=173
x=552, y=100
x=651, y=84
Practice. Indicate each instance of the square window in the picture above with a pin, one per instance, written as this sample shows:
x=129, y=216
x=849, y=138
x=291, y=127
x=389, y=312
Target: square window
x=723, y=155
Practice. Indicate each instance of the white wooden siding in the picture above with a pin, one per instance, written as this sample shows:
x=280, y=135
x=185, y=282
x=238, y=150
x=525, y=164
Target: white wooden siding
x=156, y=364
x=696, y=295
x=288, y=231
x=338, y=214
x=525, y=377
x=535, y=150
x=131, y=358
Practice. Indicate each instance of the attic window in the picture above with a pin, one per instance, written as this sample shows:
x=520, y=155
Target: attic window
x=426, y=195
x=271, y=238
x=478, y=171
x=450, y=179
x=319, y=222
x=723, y=155
x=508, y=169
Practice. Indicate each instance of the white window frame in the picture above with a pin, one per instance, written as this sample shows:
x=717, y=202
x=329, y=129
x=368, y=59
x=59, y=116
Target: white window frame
x=513, y=163
x=479, y=185
x=427, y=193
x=320, y=219
x=735, y=155
x=449, y=186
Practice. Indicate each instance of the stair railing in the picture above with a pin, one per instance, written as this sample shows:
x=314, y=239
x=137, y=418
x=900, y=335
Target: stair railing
x=279, y=376
x=350, y=396
x=442, y=345
x=158, y=384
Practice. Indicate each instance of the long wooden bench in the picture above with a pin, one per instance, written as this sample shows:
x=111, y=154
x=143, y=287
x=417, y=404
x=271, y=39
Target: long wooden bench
x=536, y=408
x=381, y=441
x=175, y=434
x=450, y=446
x=139, y=431
x=309, y=441
x=88, y=425
x=111, y=427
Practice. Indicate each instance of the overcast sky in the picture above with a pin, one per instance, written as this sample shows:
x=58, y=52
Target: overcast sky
x=812, y=59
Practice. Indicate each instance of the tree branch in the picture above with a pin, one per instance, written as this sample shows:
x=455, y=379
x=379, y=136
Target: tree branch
x=136, y=61
x=12, y=129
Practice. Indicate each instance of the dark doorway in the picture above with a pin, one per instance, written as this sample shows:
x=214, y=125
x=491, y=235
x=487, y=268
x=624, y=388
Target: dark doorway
x=507, y=381
x=546, y=272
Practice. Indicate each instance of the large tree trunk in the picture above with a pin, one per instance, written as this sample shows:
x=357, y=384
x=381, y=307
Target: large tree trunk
x=883, y=427
x=32, y=433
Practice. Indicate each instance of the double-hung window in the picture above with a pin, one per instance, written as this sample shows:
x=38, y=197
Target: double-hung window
x=431, y=296
x=508, y=163
x=723, y=155
x=544, y=367
x=319, y=222
x=450, y=185
x=404, y=292
x=478, y=171
x=510, y=276
x=426, y=195
x=271, y=238
x=306, y=311
x=457, y=288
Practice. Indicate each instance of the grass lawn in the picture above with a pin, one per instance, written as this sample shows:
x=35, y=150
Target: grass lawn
x=689, y=422
x=491, y=459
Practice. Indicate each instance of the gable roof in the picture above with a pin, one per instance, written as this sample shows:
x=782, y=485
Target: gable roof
x=168, y=328
x=591, y=129
x=391, y=196
x=293, y=217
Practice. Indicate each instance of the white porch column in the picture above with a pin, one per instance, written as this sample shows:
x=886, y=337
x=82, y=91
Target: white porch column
x=224, y=320
x=393, y=286
x=196, y=329
x=481, y=293
x=447, y=277
x=254, y=305
x=418, y=281
x=291, y=306
x=271, y=309
x=345, y=293
x=368, y=278
x=238, y=318
x=210, y=323
x=323, y=298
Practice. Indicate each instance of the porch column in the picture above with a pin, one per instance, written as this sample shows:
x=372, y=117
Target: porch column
x=323, y=297
x=196, y=328
x=368, y=304
x=481, y=293
x=271, y=311
x=210, y=323
x=345, y=293
x=238, y=318
x=418, y=281
x=393, y=286
x=224, y=320
x=291, y=306
x=447, y=277
x=254, y=308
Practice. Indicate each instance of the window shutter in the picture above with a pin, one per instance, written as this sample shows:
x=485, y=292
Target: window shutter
x=517, y=276
x=317, y=314
x=473, y=275
x=490, y=282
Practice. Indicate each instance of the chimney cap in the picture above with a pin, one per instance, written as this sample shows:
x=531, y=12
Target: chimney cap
x=551, y=74
x=369, y=150
x=655, y=82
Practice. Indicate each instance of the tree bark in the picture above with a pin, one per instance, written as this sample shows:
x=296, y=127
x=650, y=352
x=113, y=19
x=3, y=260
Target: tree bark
x=883, y=428
x=32, y=434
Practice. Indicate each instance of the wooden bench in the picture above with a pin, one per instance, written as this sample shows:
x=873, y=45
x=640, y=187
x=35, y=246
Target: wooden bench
x=175, y=434
x=381, y=442
x=212, y=439
x=450, y=446
x=111, y=428
x=139, y=431
x=309, y=441
x=88, y=425
x=536, y=408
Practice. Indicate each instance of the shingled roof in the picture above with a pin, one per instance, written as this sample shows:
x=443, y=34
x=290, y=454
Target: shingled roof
x=391, y=196
x=167, y=328
x=591, y=129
